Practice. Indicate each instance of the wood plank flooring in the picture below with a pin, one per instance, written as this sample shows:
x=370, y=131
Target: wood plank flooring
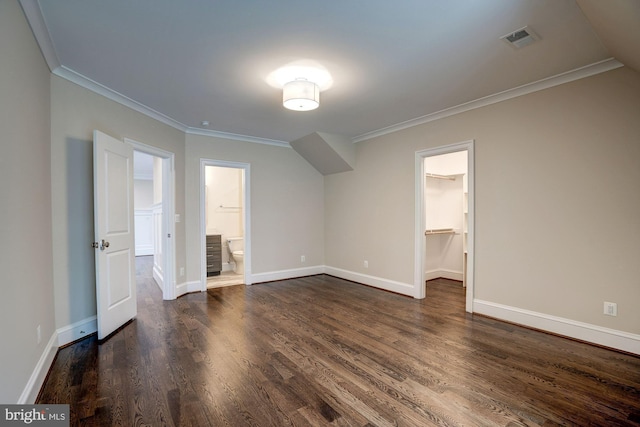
x=321, y=351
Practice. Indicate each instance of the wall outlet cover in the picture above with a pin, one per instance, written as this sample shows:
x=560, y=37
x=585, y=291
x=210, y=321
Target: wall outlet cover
x=610, y=308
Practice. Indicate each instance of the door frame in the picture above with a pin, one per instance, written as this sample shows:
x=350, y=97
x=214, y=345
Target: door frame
x=420, y=220
x=246, y=217
x=168, y=214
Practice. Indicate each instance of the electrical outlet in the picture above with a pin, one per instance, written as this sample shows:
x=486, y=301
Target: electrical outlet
x=303, y=258
x=39, y=334
x=610, y=308
x=181, y=271
x=366, y=264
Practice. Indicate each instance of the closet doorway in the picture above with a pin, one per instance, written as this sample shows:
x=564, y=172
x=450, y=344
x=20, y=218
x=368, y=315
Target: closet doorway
x=224, y=224
x=444, y=217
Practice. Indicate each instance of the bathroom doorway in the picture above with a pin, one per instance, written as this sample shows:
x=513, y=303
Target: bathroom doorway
x=444, y=218
x=224, y=224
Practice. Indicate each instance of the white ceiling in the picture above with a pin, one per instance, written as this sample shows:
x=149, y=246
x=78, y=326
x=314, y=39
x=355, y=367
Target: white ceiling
x=193, y=60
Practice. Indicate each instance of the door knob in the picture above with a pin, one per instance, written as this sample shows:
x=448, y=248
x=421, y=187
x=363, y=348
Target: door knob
x=104, y=245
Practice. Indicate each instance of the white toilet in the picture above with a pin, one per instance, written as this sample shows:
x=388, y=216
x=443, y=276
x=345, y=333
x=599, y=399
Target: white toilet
x=236, y=252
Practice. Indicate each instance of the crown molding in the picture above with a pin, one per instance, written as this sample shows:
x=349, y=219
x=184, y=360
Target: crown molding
x=236, y=137
x=569, y=76
x=33, y=13
x=100, y=89
x=111, y=94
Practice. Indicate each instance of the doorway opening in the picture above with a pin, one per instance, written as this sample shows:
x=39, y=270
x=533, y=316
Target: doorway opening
x=224, y=224
x=444, y=218
x=154, y=213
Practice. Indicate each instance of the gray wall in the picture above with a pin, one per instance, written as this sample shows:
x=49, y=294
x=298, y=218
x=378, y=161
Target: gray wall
x=557, y=200
x=25, y=203
x=287, y=204
x=75, y=113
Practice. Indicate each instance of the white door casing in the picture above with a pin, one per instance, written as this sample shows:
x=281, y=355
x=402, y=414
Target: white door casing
x=114, y=233
x=169, y=291
x=419, y=251
x=246, y=218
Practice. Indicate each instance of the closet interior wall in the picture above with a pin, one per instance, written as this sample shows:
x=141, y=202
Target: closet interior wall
x=445, y=216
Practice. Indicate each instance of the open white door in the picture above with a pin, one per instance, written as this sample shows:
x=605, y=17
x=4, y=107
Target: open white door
x=114, y=234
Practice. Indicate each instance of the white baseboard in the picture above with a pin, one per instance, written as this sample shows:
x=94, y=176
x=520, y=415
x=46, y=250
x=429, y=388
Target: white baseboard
x=181, y=289
x=612, y=338
x=75, y=331
x=286, y=274
x=389, y=285
x=446, y=274
x=39, y=374
x=60, y=337
x=194, y=286
x=158, y=277
x=144, y=250
x=188, y=287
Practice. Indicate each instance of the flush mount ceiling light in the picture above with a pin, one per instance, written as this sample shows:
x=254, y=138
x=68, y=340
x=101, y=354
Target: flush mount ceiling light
x=301, y=83
x=300, y=95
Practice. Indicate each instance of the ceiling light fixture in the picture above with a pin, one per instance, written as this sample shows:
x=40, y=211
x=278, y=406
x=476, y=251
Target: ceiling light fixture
x=301, y=95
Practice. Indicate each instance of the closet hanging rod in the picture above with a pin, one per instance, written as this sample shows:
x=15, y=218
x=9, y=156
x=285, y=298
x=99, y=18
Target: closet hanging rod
x=433, y=175
x=440, y=231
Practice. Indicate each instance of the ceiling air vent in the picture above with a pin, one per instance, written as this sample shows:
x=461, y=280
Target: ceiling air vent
x=520, y=38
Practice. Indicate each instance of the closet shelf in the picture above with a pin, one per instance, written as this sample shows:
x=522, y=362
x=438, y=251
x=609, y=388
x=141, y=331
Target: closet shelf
x=439, y=231
x=436, y=176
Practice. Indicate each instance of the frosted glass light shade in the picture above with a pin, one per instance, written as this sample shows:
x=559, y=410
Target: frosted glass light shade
x=301, y=95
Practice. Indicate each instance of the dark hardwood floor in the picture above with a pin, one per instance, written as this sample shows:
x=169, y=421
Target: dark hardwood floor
x=323, y=351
